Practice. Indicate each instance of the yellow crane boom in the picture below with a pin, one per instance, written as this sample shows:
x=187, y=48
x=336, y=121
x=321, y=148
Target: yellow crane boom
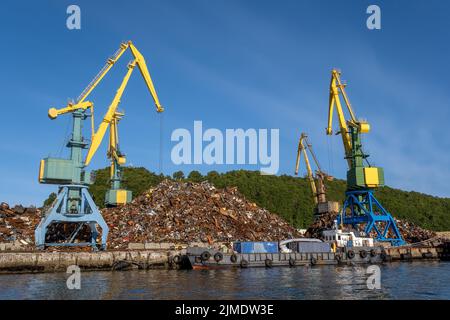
x=80, y=103
x=302, y=149
x=108, y=118
x=140, y=61
x=337, y=88
x=317, y=180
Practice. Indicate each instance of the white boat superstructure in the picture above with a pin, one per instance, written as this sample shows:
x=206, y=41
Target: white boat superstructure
x=345, y=238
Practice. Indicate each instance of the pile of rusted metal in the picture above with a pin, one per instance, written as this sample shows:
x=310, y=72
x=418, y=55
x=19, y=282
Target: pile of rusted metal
x=324, y=222
x=413, y=233
x=184, y=212
x=410, y=232
x=18, y=223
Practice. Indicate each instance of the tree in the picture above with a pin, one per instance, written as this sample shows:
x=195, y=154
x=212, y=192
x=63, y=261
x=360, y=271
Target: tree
x=50, y=199
x=195, y=176
x=137, y=180
x=288, y=196
x=178, y=175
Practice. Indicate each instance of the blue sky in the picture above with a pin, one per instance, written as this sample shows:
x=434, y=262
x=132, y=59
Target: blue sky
x=232, y=64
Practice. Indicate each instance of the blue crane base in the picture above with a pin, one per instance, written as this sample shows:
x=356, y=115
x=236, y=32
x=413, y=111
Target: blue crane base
x=361, y=207
x=86, y=213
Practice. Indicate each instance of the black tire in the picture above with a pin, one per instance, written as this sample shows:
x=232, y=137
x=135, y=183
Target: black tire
x=338, y=257
x=268, y=263
x=198, y=259
x=350, y=254
x=218, y=257
x=427, y=255
x=373, y=253
x=363, y=254
x=205, y=255
x=313, y=261
x=176, y=259
x=406, y=256
x=233, y=258
x=122, y=265
x=244, y=263
x=292, y=262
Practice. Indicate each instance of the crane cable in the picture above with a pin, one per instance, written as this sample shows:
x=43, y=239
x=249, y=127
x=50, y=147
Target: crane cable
x=161, y=146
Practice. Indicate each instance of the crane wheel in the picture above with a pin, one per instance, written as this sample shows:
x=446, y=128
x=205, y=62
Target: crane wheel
x=350, y=254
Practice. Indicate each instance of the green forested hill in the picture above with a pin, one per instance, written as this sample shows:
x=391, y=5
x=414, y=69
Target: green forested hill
x=290, y=196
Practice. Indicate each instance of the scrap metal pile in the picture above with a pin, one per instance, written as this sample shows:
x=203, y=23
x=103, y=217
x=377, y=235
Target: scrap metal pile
x=182, y=212
x=18, y=223
x=413, y=233
x=410, y=232
x=185, y=212
x=325, y=221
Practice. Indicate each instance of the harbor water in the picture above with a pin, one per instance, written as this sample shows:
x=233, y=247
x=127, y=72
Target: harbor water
x=400, y=280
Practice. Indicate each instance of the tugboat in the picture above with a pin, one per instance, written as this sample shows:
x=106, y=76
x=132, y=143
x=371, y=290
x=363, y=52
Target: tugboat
x=340, y=238
x=353, y=245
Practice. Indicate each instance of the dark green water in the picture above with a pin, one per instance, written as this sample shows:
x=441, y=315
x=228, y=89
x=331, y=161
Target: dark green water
x=421, y=280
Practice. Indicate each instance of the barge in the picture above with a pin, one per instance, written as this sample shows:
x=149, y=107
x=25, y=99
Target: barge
x=339, y=248
x=205, y=258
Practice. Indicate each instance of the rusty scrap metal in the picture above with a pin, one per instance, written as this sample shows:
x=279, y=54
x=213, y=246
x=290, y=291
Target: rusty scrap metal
x=184, y=212
x=410, y=232
x=181, y=212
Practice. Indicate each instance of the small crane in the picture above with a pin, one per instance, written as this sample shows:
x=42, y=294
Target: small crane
x=74, y=204
x=116, y=195
x=360, y=206
x=317, y=180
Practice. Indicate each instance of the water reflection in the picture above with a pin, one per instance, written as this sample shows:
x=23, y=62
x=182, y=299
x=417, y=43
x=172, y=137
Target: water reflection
x=399, y=281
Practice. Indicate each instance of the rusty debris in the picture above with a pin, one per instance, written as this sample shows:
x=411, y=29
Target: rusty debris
x=181, y=212
x=185, y=212
x=18, y=223
x=325, y=221
x=410, y=232
x=413, y=233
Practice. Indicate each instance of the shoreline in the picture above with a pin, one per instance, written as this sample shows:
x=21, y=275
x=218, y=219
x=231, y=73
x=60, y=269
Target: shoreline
x=19, y=262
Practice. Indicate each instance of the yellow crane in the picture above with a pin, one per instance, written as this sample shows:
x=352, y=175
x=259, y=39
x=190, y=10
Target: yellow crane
x=74, y=205
x=350, y=131
x=317, y=180
x=360, y=206
x=116, y=195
